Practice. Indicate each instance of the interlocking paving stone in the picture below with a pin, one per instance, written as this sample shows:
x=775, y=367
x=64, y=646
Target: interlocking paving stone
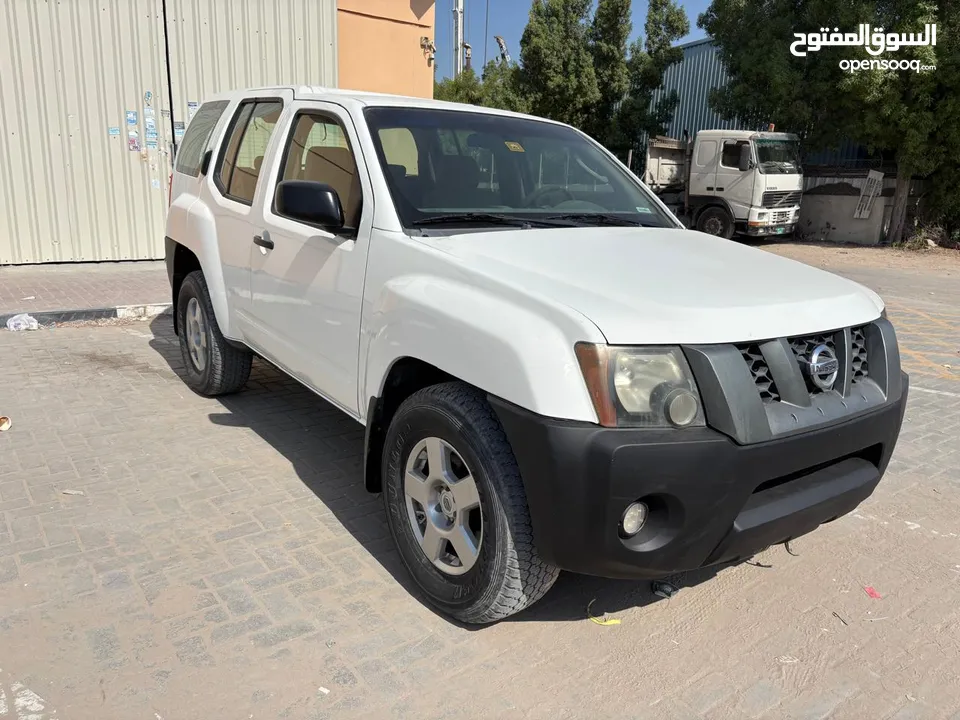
x=225, y=561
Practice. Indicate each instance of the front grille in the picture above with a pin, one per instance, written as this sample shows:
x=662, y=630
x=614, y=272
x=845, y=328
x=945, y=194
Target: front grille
x=761, y=373
x=781, y=198
x=802, y=348
x=782, y=216
x=858, y=353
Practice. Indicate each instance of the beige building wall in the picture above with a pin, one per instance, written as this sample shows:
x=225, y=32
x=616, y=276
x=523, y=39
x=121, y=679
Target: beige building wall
x=379, y=46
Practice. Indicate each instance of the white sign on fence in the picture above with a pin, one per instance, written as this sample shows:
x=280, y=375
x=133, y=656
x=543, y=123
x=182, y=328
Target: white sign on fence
x=871, y=188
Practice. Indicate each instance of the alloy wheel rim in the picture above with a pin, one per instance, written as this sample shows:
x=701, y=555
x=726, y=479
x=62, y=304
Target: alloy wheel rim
x=443, y=506
x=196, y=334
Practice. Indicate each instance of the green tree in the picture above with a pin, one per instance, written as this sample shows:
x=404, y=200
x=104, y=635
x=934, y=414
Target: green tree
x=899, y=109
x=502, y=87
x=556, y=70
x=769, y=84
x=649, y=59
x=944, y=193
x=607, y=39
x=465, y=88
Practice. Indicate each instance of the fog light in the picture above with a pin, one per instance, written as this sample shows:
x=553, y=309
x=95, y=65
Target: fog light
x=680, y=408
x=633, y=519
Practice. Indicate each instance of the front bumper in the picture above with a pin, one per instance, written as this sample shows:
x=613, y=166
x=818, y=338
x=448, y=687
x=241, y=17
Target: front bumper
x=768, y=230
x=712, y=500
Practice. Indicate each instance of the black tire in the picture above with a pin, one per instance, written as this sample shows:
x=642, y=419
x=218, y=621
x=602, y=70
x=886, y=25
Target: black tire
x=509, y=575
x=226, y=367
x=715, y=221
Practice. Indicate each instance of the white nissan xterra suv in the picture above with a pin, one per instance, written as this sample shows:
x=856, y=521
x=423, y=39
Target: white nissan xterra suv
x=552, y=372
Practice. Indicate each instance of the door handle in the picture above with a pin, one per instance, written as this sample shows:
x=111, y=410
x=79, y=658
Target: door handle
x=263, y=242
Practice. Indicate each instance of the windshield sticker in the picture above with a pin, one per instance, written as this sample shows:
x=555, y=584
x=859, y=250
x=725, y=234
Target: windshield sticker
x=513, y=146
x=644, y=210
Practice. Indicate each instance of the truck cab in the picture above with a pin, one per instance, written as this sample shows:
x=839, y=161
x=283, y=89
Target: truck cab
x=730, y=181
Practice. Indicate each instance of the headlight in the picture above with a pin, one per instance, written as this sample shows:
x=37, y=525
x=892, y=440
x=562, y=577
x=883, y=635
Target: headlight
x=761, y=216
x=640, y=387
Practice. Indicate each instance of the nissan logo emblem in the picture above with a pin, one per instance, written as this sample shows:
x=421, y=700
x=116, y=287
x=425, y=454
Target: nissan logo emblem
x=823, y=367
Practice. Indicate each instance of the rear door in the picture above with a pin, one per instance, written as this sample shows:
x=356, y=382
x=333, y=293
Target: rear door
x=232, y=185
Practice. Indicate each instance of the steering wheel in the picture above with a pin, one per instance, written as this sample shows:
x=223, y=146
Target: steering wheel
x=544, y=191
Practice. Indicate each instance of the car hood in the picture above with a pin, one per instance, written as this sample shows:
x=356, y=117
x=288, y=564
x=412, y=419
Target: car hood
x=662, y=285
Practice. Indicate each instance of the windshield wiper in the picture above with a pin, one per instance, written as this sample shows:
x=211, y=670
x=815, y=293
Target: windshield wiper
x=481, y=218
x=599, y=219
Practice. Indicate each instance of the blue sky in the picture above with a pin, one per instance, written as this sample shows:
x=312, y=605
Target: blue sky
x=508, y=18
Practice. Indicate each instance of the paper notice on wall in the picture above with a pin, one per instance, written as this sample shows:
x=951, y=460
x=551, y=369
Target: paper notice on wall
x=191, y=109
x=131, y=117
x=178, y=129
x=113, y=131
x=871, y=188
x=133, y=141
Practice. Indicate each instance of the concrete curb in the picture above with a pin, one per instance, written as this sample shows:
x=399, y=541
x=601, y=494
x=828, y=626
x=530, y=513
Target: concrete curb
x=123, y=312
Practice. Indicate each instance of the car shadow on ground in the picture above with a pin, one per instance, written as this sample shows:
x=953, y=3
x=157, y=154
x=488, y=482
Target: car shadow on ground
x=325, y=449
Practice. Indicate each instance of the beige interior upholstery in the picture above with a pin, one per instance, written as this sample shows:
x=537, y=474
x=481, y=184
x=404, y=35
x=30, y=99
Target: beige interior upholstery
x=335, y=166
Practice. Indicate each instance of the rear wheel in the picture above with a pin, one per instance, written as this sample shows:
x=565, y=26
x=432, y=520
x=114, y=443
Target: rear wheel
x=715, y=221
x=212, y=365
x=457, y=509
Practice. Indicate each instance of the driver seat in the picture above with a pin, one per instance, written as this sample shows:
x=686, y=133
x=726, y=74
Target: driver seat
x=456, y=186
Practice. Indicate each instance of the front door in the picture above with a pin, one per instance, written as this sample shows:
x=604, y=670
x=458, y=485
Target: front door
x=732, y=184
x=307, y=283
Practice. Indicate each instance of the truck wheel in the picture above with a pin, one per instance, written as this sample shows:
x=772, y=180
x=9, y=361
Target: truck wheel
x=213, y=366
x=457, y=509
x=715, y=221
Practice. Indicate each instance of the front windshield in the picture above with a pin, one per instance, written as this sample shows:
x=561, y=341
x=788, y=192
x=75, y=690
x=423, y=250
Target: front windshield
x=479, y=169
x=778, y=156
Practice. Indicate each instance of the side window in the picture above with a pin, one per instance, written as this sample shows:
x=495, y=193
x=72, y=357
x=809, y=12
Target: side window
x=706, y=153
x=195, y=140
x=247, y=142
x=731, y=154
x=318, y=150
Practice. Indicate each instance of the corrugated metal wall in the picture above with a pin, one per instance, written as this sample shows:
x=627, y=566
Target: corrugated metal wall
x=693, y=78
x=218, y=44
x=85, y=108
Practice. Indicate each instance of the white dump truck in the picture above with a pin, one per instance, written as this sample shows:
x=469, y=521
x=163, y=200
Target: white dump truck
x=726, y=182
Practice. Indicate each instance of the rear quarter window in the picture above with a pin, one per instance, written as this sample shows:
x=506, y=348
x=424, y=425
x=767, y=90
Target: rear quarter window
x=197, y=137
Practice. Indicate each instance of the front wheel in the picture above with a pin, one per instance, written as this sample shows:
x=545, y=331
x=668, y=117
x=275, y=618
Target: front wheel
x=457, y=509
x=715, y=221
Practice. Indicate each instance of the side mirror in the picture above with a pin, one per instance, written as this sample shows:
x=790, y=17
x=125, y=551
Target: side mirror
x=744, y=157
x=311, y=202
x=205, y=162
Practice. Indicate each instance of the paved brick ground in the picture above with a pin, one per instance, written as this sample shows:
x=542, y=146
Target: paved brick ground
x=166, y=556
x=41, y=288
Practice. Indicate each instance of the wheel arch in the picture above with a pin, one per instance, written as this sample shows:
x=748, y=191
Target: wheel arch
x=406, y=376
x=181, y=261
x=704, y=202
